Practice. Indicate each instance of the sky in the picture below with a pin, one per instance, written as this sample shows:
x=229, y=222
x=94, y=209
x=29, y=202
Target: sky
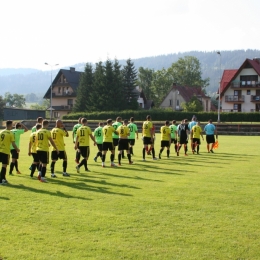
x=67, y=32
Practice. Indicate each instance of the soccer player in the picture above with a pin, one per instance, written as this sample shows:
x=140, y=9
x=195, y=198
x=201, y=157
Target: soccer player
x=74, y=136
x=19, y=129
x=32, y=150
x=210, y=130
x=6, y=139
x=39, y=121
x=115, y=136
x=108, y=130
x=183, y=136
x=165, y=139
x=43, y=138
x=57, y=134
x=190, y=125
x=148, y=136
x=196, y=133
x=82, y=143
x=173, y=128
x=98, y=134
x=123, y=143
x=133, y=131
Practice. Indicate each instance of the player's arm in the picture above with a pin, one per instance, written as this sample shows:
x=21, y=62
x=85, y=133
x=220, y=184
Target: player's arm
x=191, y=134
x=76, y=143
x=73, y=134
x=15, y=147
x=65, y=130
x=24, y=127
x=93, y=139
x=29, y=148
x=201, y=134
x=136, y=132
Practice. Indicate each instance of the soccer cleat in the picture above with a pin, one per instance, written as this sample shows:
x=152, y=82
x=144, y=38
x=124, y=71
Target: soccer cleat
x=103, y=164
x=11, y=174
x=87, y=170
x=53, y=175
x=193, y=151
x=119, y=164
x=177, y=153
x=160, y=156
x=4, y=181
x=154, y=158
x=185, y=154
x=198, y=153
x=18, y=172
x=43, y=179
x=65, y=174
x=168, y=157
x=131, y=162
x=95, y=159
x=211, y=151
x=77, y=168
x=113, y=164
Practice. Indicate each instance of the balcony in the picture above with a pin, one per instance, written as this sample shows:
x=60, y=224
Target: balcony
x=230, y=110
x=245, y=84
x=236, y=99
x=255, y=99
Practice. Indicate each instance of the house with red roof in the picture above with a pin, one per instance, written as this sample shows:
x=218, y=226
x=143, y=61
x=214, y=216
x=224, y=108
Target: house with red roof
x=183, y=94
x=240, y=88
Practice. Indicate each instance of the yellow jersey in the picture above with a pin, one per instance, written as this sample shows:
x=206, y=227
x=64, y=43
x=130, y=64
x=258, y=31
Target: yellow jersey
x=42, y=140
x=108, y=130
x=147, y=127
x=83, y=134
x=123, y=131
x=33, y=142
x=196, y=131
x=6, y=138
x=165, y=133
x=57, y=135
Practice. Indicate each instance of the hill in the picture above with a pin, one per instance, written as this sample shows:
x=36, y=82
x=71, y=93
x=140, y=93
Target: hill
x=25, y=81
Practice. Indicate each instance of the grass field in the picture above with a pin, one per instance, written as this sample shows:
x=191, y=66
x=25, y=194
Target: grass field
x=197, y=207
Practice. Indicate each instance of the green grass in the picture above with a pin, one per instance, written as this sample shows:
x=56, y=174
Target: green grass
x=197, y=207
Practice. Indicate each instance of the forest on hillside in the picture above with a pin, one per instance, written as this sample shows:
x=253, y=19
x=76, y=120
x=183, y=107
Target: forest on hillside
x=26, y=81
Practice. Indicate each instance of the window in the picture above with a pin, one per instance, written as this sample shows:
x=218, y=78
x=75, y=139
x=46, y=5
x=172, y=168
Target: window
x=178, y=102
x=235, y=106
x=56, y=114
x=59, y=90
x=70, y=101
x=248, y=92
x=170, y=102
x=235, y=93
x=65, y=80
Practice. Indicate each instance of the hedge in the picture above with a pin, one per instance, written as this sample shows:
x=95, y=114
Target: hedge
x=162, y=114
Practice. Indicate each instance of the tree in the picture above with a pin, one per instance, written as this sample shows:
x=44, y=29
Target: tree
x=194, y=105
x=14, y=100
x=129, y=85
x=2, y=105
x=85, y=87
x=145, y=79
x=187, y=72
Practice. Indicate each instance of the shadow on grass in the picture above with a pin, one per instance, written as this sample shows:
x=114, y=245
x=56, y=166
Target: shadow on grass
x=4, y=198
x=58, y=193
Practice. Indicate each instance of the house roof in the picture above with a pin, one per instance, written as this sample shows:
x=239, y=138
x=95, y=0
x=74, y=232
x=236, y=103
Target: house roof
x=230, y=75
x=72, y=77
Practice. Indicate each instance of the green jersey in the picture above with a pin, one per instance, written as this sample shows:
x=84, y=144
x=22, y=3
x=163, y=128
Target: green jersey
x=98, y=133
x=17, y=133
x=116, y=125
x=133, y=129
x=34, y=129
x=74, y=131
x=173, y=131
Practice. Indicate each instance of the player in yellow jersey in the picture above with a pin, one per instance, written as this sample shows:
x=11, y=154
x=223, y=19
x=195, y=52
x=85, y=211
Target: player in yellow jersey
x=165, y=138
x=43, y=138
x=6, y=139
x=196, y=133
x=148, y=136
x=58, y=133
x=82, y=143
x=108, y=130
x=123, y=143
x=32, y=150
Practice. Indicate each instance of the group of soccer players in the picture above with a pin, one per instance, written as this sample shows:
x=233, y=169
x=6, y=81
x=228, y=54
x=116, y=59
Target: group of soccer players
x=121, y=134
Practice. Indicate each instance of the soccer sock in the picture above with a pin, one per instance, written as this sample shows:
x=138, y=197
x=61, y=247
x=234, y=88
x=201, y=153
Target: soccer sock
x=153, y=152
x=16, y=165
x=52, y=167
x=119, y=158
x=78, y=156
x=100, y=154
x=103, y=158
x=144, y=153
x=43, y=171
x=179, y=148
x=85, y=164
x=129, y=157
x=11, y=167
x=33, y=167
x=198, y=148
x=112, y=157
x=161, y=150
x=131, y=150
x=168, y=153
x=64, y=165
x=3, y=172
x=81, y=163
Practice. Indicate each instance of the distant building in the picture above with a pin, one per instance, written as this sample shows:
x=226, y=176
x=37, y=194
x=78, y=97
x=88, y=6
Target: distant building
x=240, y=88
x=22, y=114
x=142, y=100
x=180, y=94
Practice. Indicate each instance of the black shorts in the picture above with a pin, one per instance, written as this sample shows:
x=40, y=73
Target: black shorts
x=131, y=142
x=14, y=153
x=115, y=141
x=174, y=141
x=108, y=146
x=55, y=156
x=147, y=140
x=99, y=146
x=183, y=140
x=210, y=139
x=165, y=143
x=84, y=151
x=4, y=158
x=123, y=144
x=35, y=157
x=196, y=140
x=43, y=156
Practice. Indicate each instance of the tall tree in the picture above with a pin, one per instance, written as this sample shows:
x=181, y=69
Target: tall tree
x=14, y=100
x=145, y=79
x=194, y=105
x=85, y=87
x=187, y=72
x=129, y=84
x=2, y=105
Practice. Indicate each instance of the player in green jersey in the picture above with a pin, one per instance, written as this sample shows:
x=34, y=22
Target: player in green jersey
x=98, y=134
x=133, y=132
x=173, y=128
x=74, y=136
x=39, y=121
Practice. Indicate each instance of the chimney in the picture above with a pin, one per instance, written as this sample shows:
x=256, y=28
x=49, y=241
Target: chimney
x=72, y=69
